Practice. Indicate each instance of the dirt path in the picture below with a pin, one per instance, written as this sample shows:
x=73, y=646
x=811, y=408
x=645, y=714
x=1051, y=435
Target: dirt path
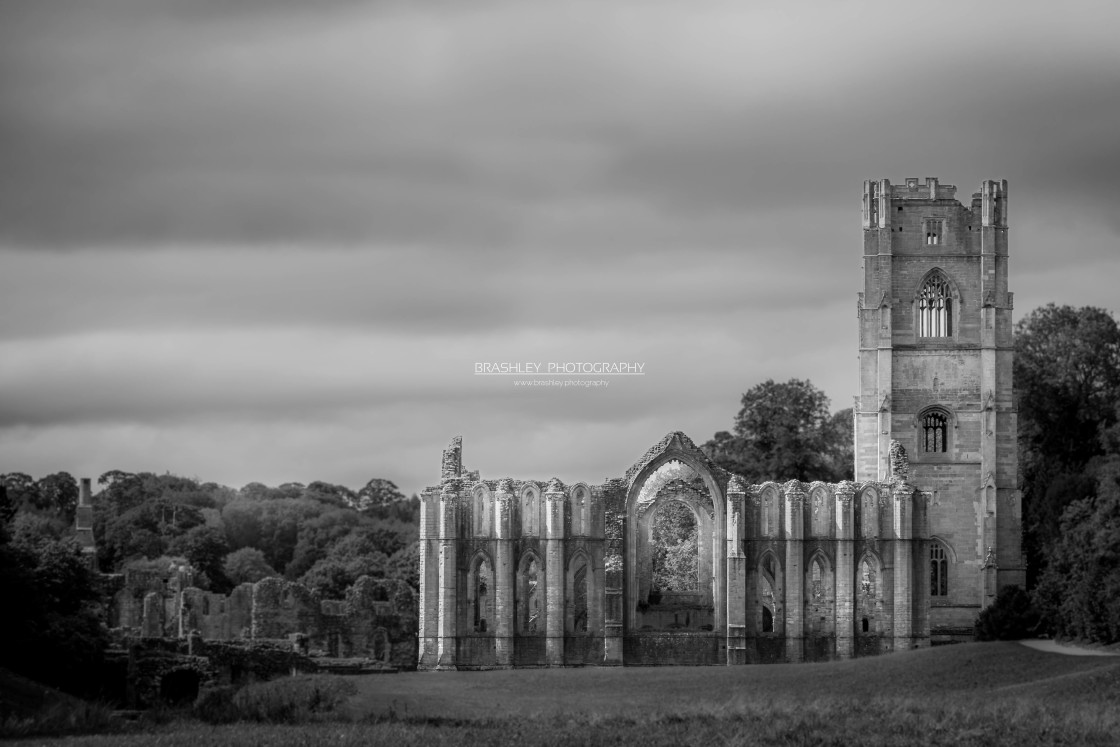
x=1054, y=647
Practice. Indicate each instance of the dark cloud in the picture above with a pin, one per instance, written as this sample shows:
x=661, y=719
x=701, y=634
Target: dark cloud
x=375, y=124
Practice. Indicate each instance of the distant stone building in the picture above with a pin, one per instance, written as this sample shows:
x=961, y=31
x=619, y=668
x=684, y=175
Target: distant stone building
x=539, y=573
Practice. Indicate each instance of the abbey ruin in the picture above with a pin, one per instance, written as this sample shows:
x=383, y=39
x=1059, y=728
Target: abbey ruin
x=538, y=573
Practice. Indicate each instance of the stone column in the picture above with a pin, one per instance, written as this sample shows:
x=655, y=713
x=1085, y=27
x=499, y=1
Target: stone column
x=795, y=571
x=448, y=572
x=554, y=497
x=736, y=574
x=845, y=572
x=903, y=569
x=503, y=575
x=430, y=508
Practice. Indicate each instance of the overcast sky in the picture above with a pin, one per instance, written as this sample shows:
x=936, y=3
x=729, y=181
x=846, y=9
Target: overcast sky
x=268, y=241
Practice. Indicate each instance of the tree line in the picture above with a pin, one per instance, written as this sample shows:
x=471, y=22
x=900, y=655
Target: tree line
x=322, y=535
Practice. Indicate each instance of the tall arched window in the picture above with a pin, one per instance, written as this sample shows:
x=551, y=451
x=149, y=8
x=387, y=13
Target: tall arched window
x=771, y=508
x=528, y=605
x=935, y=307
x=869, y=513
x=938, y=570
x=530, y=512
x=935, y=430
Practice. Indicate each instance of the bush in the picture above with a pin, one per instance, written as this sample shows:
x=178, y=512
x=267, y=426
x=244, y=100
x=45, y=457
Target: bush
x=60, y=717
x=1012, y=616
x=289, y=700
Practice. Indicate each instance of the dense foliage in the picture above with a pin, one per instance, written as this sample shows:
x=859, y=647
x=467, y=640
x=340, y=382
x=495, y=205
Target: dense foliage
x=322, y=535
x=784, y=431
x=1067, y=374
x=51, y=626
x=675, y=548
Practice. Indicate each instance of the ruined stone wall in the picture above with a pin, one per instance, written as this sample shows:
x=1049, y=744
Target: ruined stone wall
x=506, y=566
x=376, y=621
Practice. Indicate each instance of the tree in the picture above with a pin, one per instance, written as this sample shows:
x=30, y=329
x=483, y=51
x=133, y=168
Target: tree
x=1079, y=591
x=1067, y=374
x=247, y=565
x=784, y=431
x=56, y=637
x=23, y=491
x=206, y=549
x=378, y=492
x=60, y=493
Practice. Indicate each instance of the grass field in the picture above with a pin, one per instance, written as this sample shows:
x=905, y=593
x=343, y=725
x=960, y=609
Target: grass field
x=981, y=694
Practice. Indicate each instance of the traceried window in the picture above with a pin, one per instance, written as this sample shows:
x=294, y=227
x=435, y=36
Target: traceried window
x=935, y=428
x=935, y=308
x=938, y=570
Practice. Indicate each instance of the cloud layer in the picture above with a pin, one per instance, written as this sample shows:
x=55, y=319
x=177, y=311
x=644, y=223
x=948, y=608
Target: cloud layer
x=218, y=223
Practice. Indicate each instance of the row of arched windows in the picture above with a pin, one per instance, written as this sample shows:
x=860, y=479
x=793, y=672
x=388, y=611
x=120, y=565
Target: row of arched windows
x=532, y=522
x=528, y=595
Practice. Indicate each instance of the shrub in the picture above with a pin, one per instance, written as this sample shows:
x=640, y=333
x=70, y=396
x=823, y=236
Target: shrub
x=289, y=700
x=1010, y=617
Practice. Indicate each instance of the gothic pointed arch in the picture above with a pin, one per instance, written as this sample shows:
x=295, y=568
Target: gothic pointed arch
x=579, y=497
x=580, y=587
x=934, y=427
x=482, y=503
x=708, y=503
x=771, y=591
x=941, y=560
x=937, y=303
x=480, y=593
x=529, y=595
x=530, y=509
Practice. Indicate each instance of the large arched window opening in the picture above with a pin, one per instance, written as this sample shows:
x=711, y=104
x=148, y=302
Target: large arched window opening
x=935, y=307
x=673, y=585
x=769, y=592
x=529, y=594
x=934, y=436
x=480, y=595
x=938, y=570
x=869, y=599
x=577, y=593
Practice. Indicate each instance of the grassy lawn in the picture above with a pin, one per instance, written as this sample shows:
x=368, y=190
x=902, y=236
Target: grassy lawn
x=981, y=694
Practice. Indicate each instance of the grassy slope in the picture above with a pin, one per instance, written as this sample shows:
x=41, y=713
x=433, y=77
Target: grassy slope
x=975, y=694
x=966, y=672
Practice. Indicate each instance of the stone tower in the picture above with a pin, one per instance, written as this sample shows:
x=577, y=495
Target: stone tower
x=935, y=376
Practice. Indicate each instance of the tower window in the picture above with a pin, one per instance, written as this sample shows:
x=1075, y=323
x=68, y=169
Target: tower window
x=934, y=432
x=935, y=308
x=938, y=571
x=934, y=229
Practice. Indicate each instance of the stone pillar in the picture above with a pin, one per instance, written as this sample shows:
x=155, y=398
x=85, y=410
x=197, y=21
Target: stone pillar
x=903, y=568
x=554, y=573
x=429, y=578
x=845, y=571
x=736, y=574
x=504, y=575
x=795, y=571
x=448, y=573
